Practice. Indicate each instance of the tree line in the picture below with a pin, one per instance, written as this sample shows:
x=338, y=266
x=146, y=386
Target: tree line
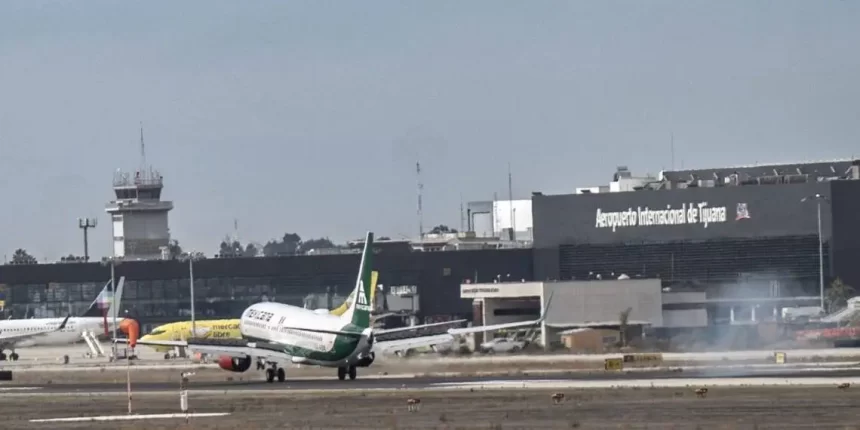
x=288, y=244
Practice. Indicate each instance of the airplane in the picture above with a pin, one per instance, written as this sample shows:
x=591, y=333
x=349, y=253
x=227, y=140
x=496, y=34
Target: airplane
x=226, y=328
x=277, y=334
x=22, y=333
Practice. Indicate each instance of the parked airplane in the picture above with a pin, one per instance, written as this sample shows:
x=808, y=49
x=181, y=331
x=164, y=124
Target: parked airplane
x=24, y=333
x=227, y=328
x=279, y=333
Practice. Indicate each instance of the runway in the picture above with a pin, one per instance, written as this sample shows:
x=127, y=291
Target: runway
x=378, y=382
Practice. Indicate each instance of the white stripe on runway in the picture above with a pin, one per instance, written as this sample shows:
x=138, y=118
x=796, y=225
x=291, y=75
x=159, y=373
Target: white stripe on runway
x=129, y=417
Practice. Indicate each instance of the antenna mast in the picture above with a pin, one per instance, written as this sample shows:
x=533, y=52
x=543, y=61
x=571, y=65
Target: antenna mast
x=420, y=194
x=672, y=148
x=511, y=200
x=462, y=214
x=142, y=151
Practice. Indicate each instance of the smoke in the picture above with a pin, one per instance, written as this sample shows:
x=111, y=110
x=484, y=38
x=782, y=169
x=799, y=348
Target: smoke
x=747, y=316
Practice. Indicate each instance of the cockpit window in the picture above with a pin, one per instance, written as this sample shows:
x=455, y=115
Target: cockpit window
x=158, y=332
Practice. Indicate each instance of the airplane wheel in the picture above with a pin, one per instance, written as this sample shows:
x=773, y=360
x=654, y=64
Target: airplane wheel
x=2, y=356
x=352, y=373
x=13, y=356
x=270, y=375
x=167, y=356
x=282, y=376
x=341, y=373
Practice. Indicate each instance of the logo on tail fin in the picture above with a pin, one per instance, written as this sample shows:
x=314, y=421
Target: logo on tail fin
x=362, y=296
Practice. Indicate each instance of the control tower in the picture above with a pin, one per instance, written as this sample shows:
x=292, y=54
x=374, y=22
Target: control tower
x=138, y=215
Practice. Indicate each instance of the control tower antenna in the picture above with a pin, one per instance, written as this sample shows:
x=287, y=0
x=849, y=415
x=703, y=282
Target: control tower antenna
x=511, y=199
x=235, y=229
x=420, y=196
x=462, y=214
x=672, y=148
x=142, y=151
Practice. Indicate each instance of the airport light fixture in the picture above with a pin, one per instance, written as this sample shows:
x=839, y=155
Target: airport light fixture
x=191, y=257
x=85, y=224
x=818, y=199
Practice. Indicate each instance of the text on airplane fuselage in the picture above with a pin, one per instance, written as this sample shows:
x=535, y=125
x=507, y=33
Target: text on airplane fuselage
x=260, y=315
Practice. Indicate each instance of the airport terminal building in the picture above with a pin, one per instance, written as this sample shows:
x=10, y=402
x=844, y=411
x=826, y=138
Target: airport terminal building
x=423, y=283
x=716, y=228
x=687, y=249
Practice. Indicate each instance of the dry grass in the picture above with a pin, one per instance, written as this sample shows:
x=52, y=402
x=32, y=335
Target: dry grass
x=762, y=408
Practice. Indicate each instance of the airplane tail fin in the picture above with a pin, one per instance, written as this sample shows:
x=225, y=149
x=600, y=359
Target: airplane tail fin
x=340, y=310
x=358, y=312
x=102, y=306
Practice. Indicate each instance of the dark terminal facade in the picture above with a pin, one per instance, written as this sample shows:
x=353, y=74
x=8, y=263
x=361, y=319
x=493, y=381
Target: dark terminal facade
x=157, y=291
x=746, y=231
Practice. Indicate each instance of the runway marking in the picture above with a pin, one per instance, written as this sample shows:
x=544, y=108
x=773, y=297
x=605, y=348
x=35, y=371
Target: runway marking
x=130, y=417
x=3, y=389
x=644, y=383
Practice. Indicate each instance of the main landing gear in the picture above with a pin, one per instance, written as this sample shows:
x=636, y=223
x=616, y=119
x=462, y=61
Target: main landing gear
x=274, y=371
x=342, y=372
x=11, y=357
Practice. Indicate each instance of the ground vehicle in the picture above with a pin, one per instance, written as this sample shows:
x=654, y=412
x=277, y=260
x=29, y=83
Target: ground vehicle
x=502, y=344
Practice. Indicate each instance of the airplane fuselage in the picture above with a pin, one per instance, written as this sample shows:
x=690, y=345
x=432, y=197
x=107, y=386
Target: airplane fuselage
x=275, y=323
x=70, y=334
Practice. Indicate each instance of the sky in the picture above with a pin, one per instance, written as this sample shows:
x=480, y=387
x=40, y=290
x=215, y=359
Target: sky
x=309, y=116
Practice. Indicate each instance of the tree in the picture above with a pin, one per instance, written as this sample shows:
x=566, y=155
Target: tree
x=441, y=229
x=251, y=250
x=837, y=295
x=288, y=245
x=22, y=257
x=320, y=243
x=174, y=249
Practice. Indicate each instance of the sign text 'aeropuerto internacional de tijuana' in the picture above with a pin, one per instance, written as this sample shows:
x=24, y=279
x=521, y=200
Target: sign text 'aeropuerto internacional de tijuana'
x=689, y=213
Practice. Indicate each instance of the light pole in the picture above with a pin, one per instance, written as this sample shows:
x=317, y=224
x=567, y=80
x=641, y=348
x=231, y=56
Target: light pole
x=818, y=199
x=192, y=256
x=86, y=224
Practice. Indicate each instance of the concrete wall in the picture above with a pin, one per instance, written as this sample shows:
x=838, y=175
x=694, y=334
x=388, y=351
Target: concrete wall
x=685, y=318
x=577, y=302
x=582, y=302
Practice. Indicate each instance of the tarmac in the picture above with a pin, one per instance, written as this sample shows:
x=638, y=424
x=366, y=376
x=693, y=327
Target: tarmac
x=607, y=379
x=457, y=392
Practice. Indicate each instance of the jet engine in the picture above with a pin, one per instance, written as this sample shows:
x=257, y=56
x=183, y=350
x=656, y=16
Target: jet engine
x=366, y=360
x=234, y=364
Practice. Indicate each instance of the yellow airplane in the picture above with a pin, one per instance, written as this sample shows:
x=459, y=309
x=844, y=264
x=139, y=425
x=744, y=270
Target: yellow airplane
x=224, y=328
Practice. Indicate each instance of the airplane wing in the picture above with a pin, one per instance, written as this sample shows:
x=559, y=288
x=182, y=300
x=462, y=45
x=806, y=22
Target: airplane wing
x=386, y=346
x=6, y=337
x=450, y=335
x=237, y=348
x=414, y=327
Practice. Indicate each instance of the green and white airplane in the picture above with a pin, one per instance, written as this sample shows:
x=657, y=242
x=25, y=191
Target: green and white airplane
x=277, y=334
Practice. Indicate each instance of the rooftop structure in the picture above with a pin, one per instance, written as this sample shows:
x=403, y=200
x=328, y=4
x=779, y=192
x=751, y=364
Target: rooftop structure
x=623, y=179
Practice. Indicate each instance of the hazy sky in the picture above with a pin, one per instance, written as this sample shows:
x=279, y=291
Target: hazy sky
x=309, y=116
